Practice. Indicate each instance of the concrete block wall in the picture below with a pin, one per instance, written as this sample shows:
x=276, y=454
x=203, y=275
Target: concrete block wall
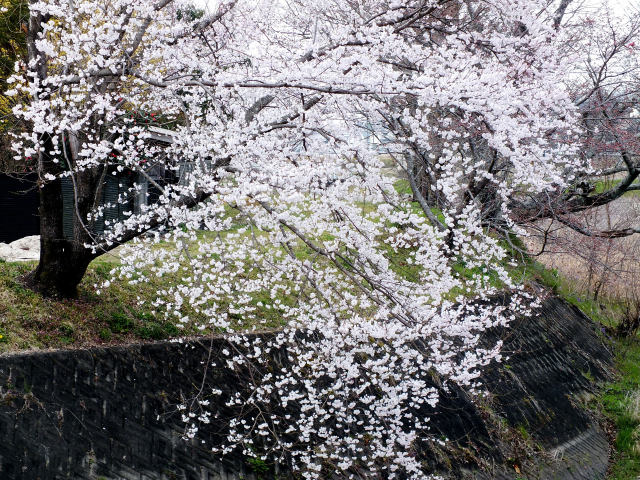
x=111, y=412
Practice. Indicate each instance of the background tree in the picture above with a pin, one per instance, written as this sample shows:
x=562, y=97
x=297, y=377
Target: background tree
x=604, y=86
x=14, y=18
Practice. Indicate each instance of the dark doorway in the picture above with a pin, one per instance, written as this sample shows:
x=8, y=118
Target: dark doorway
x=18, y=207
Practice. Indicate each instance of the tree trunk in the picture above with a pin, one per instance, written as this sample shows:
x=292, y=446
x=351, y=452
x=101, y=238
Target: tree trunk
x=60, y=270
x=63, y=261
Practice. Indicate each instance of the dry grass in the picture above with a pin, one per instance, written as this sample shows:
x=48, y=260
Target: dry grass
x=600, y=267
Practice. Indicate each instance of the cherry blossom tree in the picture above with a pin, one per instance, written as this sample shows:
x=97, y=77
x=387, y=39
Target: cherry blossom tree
x=279, y=201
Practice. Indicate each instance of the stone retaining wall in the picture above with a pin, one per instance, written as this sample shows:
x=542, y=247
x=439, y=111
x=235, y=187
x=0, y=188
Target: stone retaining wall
x=111, y=412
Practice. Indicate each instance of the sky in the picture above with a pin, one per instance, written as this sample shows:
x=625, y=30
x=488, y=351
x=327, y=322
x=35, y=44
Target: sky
x=619, y=6
x=205, y=3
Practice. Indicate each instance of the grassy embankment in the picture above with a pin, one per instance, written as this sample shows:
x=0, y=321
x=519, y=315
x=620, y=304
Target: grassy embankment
x=609, y=183
x=620, y=401
x=119, y=313
x=29, y=321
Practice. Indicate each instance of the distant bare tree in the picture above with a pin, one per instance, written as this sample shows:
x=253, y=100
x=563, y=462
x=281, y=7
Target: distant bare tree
x=606, y=89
